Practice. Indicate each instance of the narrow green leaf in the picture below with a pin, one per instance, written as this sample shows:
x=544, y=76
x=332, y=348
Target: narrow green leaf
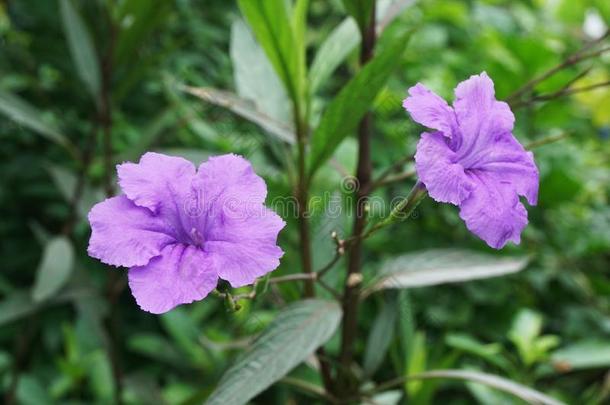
x=343, y=114
x=255, y=79
x=299, y=26
x=440, y=266
x=55, y=268
x=582, y=355
x=527, y=394
x=333, y=51
x=81, y=48
x=244, y=109
x=290, y=339
x=271, y=25
x=381, y=335
x=23, y=113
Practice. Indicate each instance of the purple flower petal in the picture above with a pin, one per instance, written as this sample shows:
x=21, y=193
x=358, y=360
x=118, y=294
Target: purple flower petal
x=180, y=275
x=513, y=164
x=493, y=211
x=431, y=111
x=244, y=245
x=124, y=234
x=156, y=180
x=481, y=118
x=231, y=178
x=444, y=179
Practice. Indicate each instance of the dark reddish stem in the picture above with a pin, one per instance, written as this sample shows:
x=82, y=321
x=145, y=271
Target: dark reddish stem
x=364, y=176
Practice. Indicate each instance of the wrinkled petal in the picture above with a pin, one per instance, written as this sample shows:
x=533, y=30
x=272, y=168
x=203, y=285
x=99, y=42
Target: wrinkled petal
x=513, y=164
x=435, y=164
x=180, y=275
x=493, y=211
x=156, y=180
x=231, y=178
x=481, y=118
x=430, y=110
x=244, y=244
x=124, y=234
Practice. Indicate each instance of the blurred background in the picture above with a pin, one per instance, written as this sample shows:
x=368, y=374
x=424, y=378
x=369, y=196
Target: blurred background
x=88, y=84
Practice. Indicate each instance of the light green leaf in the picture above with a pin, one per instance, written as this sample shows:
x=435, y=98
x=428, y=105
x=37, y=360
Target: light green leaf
x=441, y=266
x=255, y=79
x=583, y=355
x=342, y=115
x=271, y=25
x=23, y=113
x=54, y=269
x=81, y=48
x=520, y=391
x=290, y=339
x=381, y=335
x=490, y=352
x=244, y=109
x=30, y=391
x=333, y=51
x=416, y=363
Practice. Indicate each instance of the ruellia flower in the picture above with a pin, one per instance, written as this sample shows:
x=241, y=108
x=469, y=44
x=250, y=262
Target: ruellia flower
x=179, y=229
x=472, y=159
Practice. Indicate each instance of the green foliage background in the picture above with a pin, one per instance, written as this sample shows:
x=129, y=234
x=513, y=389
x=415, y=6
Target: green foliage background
x=62, y=323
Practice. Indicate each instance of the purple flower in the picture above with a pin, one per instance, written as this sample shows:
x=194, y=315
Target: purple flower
x=179, y=229
x=473, y=160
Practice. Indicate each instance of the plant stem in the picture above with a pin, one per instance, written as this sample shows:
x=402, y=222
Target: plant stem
x=364, y=171
x=302, y=197
x=571, y=60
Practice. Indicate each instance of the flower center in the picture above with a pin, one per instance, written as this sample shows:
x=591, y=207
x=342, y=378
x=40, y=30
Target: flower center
x=196, y=237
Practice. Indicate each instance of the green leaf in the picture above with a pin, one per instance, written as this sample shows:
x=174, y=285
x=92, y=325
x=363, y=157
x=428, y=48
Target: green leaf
x=16, y=306
x=23, y=113
x=31, y=391
x=527, y=394
x=490, y=352
x=255, y=79
x=55, y=268
x=290, y=339
x=333, y=51
x=271, y=25
x=416, y=363
x=81, y=48
x=441, y=266
x=582, y=355
x=343, y=39
x=244, y=109
x=381, y=335
x=360, y=10
x=342, y=115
